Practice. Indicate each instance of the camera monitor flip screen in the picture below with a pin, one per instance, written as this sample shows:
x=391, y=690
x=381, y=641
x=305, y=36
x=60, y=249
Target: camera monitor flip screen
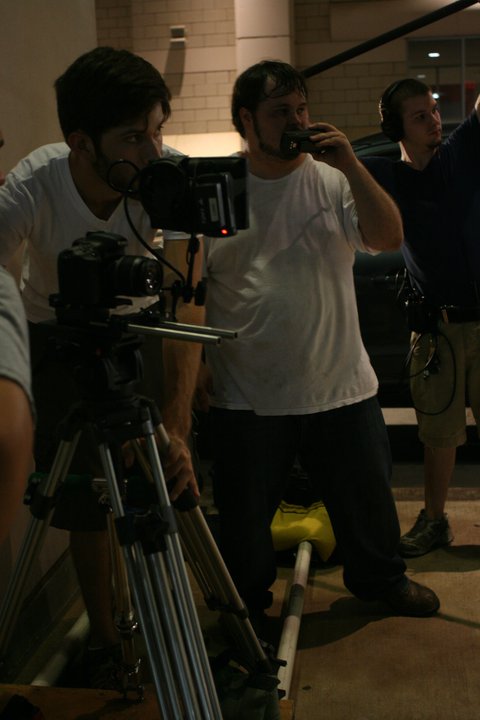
x=196, y=195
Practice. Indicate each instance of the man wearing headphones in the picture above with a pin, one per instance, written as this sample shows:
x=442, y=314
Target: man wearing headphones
x=436, y=186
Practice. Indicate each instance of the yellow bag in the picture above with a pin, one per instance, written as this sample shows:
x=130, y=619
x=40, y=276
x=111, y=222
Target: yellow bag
x=294, y=523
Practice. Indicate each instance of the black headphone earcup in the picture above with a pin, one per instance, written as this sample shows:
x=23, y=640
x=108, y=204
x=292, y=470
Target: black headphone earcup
x=392, y=127
x=391, y=122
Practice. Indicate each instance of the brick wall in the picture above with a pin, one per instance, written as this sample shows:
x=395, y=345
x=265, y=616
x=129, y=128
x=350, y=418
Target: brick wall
x=346, y=95
x=114, y=23
x=201, y=97
x=201, y=74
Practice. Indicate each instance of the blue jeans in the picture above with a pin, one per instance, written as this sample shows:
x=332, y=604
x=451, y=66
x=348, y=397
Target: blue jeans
x=346, y=454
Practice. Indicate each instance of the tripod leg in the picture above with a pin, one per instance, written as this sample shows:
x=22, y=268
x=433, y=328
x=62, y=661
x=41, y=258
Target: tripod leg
x=147, y=607
x=42, y=510
x=212, y=575
x=218, y=587
x=125, y=621
x=183, y=592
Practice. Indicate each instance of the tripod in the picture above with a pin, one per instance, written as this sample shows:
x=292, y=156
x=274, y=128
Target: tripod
x=152, y=555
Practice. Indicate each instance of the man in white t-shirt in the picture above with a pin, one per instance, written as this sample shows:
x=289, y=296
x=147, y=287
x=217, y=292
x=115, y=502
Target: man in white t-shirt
x=16, y=403
x=297, y=383
x=112, y=106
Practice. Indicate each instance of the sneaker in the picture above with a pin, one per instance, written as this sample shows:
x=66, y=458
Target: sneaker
x=425, y=535
x=412, y=600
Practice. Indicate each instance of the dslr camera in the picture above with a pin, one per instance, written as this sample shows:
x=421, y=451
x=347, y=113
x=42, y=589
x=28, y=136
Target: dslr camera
x=298, y=141
x=95, y=270
x=191, y=195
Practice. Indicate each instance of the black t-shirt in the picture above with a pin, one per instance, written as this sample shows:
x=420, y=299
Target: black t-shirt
x=440, y=207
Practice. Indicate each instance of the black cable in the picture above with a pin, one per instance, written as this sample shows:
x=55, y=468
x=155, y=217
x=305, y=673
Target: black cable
x=156, y=254
x=178, y=289
x=431, y=361
x=129, y=193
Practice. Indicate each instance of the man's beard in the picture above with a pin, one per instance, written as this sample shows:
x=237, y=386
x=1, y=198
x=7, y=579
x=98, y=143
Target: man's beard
x=270, y=150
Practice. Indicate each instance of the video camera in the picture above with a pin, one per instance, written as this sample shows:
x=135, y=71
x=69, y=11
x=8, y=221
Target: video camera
x=191, y=195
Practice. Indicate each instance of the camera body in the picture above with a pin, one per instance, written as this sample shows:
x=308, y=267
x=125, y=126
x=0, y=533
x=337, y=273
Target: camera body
x=298, y=141
x=95, y=270
x=421, y=318
x=191, y=195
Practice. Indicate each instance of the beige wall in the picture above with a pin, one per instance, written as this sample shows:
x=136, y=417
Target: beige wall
x=201, y=72
x=38, y=40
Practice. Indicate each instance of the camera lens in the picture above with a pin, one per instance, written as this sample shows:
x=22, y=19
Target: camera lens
x=135, y=276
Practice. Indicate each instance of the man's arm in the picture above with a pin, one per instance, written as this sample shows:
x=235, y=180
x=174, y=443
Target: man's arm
x=379, y=218
x=181, y=364
x=16, y=451
x=16, y=217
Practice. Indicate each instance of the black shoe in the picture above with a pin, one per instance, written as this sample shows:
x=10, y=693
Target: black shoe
x=258, y=620
x=103, y=668
x=266, y=627
x=412, y=600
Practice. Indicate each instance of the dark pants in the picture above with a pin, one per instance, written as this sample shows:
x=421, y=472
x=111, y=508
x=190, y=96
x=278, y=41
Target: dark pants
x=345, y=453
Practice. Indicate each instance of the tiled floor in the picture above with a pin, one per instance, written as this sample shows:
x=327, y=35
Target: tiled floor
x=354, y=662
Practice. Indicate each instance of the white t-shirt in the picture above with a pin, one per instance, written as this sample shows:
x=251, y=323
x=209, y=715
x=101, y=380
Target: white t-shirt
x=14, y=357
x=39, y=203
x=286, y=285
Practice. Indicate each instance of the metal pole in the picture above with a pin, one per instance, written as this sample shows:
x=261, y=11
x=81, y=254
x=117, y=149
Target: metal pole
x=387, y=37
x=291, y=628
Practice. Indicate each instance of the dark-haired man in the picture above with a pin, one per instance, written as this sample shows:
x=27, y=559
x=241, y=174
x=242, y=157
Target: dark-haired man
x=298, y=382
x=112, y=105
x=437, y=189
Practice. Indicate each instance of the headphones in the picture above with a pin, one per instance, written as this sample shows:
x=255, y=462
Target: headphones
x=391, y=123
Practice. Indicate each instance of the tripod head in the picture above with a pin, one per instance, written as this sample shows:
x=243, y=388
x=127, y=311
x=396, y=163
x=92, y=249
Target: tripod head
x=106, y=362
x=103, y=348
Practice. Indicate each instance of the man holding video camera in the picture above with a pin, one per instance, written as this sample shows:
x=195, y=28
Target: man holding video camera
x=16, y=417
x=297, y=383
x=112, y=106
